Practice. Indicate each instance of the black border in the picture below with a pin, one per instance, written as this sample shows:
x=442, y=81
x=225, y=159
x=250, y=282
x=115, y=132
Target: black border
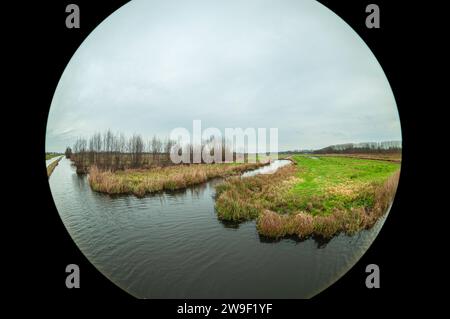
x=48, y=46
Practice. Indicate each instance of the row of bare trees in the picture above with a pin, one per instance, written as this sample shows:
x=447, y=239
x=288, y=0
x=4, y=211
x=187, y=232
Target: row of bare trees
x=116, y=151
x=369, y=147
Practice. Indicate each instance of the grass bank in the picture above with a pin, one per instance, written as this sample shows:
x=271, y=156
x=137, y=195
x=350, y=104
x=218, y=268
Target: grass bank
x=51, y=155
x=316, y=196
x=143, y=181
x=52, y=165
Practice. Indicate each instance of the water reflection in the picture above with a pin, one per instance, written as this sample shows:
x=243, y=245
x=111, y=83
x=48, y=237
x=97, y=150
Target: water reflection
x=229, y=224
x=268, y=169
x=320, y=241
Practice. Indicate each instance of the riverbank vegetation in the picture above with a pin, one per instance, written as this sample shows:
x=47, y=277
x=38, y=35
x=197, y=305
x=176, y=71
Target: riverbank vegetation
x=319, y=195
x=117, y=164
x=51, y=155
x=52, y=165
x=143, y=181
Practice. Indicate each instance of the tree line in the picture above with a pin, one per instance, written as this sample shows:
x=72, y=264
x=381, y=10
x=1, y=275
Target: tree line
x=115, y=151
x=368, y=147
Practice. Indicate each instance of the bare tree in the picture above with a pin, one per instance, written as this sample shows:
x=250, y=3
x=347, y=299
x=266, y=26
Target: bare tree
x=68, y=152
x=156, y=147
x=116, y=151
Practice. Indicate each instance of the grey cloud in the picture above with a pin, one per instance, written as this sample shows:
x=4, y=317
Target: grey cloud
x=156, y=65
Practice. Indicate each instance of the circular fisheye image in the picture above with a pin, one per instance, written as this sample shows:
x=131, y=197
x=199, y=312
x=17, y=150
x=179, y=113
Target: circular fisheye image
x=223, y=149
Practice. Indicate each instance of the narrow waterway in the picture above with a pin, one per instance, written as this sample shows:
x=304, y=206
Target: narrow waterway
x=268, y=169
x=172, y=245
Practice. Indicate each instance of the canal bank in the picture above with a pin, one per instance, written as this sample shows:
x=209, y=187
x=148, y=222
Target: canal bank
x=171, y=245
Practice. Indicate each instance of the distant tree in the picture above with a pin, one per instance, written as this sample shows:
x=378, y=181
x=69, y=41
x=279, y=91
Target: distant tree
x=156, y=147
x=68, y=152
x=370, y=147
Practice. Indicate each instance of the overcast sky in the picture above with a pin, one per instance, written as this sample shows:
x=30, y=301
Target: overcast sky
x=153, y=66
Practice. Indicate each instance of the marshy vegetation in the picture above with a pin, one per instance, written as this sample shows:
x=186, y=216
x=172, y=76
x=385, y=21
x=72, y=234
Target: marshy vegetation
x=143, y=181
x=317, y=196
x=320, y=194
x=120, y=165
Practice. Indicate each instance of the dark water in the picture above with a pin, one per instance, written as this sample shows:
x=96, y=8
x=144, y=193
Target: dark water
x=173, y=246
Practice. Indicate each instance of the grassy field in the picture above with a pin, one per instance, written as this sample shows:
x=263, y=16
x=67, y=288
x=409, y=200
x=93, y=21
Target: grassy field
x=52, y=165
x=319, y=195
x=391, y=157
x=143, y=181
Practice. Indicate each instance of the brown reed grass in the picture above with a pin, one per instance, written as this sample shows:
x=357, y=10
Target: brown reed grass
x=143, y=181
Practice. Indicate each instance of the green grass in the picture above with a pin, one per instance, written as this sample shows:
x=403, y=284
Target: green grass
x=338, y=182
x=51, y=155
x=319, y=172
x=317, y=195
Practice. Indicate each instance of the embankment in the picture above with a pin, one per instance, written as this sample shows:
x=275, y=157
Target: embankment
x=51, y=167
x=317, y=196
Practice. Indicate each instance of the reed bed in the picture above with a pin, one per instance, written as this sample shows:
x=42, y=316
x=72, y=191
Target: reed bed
x=303, y=224
x=144, y=181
